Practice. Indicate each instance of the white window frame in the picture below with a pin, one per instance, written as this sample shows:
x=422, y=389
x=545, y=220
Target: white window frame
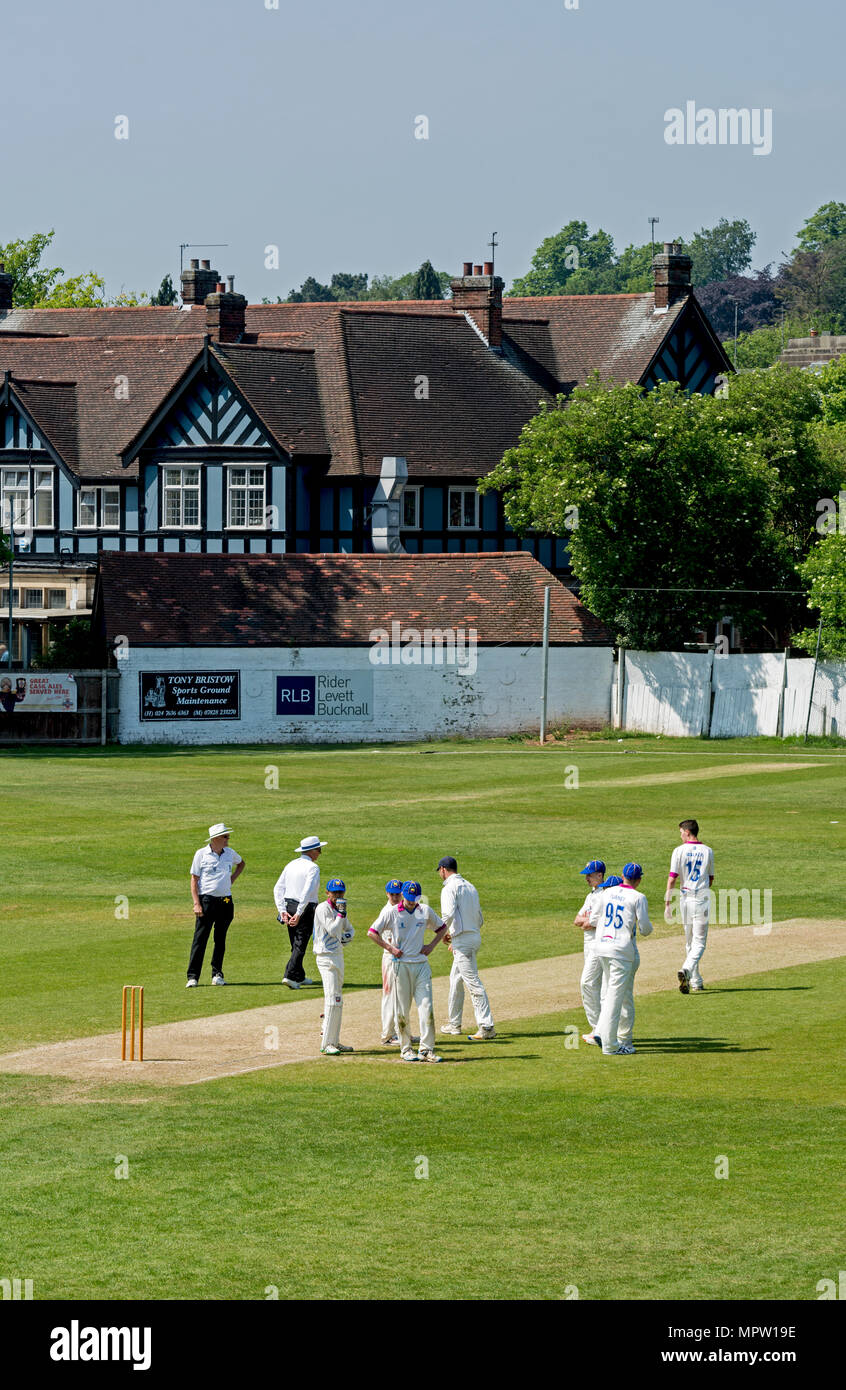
x=247, y=487
x=181, y=488
x=36, y=481
x=98, y=524
x=417, y=494
x=462, y=525
x=47, y=486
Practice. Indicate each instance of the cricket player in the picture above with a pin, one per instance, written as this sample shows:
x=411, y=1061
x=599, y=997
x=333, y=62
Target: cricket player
x=412, y=972
x=332, y=932
x=380, y=932
x=692, y=863
x=462, y=914
x=620, y=911
x=591, y=981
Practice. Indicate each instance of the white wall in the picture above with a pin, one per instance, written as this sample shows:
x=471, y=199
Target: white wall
x=409, y=702
x=666, y=692
x=670, y=692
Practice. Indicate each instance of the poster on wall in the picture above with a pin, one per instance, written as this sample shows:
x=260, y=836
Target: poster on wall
x=189, y=695
x=42, y=693
x=325, y=695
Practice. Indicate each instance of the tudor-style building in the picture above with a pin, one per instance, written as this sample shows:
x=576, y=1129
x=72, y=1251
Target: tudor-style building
x=223, y=427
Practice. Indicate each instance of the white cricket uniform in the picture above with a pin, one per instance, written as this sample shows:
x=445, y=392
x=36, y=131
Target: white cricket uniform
x=693, y=863
x=329, y=955
x=591, y=981
x=412, y=975
x=383, y=926
x=300, y=880
x=618, y=914
x=461, y=908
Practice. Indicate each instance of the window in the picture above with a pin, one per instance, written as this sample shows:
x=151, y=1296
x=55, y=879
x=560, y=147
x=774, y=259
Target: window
x=57, y=598
x=411, y=508
x=181, y=498
x=33, y=598
x=15, y=499
x=27, y=498
x=42, y=490
x=4, y=598
x=98, y=507
x=463, y=509
x=245, y=498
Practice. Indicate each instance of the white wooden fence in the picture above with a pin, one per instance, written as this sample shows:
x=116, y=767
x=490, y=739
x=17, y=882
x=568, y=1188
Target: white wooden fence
x=690, y=693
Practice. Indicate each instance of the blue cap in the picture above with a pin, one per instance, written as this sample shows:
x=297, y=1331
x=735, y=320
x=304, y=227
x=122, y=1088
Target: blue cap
x=632, y=871
x=411, y=890
x=336, y=885
x=394, y=885
x=595, y=866
x=612, y=881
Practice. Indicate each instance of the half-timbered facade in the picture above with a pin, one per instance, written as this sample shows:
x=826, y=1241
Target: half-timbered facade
x=227, y=428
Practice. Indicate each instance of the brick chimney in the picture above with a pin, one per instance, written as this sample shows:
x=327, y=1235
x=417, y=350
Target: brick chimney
x=478, y=292
x=226, y=313
x=671, y=269
x=6, y=283
x=198, y=282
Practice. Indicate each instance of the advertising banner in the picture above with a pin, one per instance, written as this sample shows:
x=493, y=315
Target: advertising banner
x=41, y=693
x=190, y=695
x=325, y=695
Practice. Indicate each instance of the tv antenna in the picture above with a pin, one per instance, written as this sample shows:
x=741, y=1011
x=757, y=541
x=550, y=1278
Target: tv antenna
x=198, y=246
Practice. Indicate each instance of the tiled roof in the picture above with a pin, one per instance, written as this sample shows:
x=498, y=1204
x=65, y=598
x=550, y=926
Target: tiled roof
x=108, y=413
x=574, y=335
x=280, y=385
x=52, y=405
x=351, y=396
x=327, y=600
x=70, y=387
x=432, y=391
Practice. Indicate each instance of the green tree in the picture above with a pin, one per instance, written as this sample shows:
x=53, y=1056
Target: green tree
x=345, y=286
x=680, y=501
x=311, y=292
x=718, y=253
x=825, y=225
x=634, y=270
x=779, y=413
x=42, y=286
x=664, y=498
x=72, y=646
x=166, y=293
x=831, y=384
x=813, y=286
x=825, y=571
x=427, y=284
x=404, y=286
x=558, y=259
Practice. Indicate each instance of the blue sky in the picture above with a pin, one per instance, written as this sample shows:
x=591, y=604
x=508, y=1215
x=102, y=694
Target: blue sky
x=295, y=127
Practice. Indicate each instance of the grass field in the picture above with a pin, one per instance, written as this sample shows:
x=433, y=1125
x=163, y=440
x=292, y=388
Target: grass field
x=549, y=1168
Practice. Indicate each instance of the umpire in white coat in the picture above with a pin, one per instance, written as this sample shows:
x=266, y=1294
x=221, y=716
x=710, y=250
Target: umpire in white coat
x=296, y=895
x=462, y=912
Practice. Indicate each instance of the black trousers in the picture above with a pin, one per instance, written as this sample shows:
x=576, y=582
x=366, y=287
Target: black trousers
x=299, y=938
x=217, y=913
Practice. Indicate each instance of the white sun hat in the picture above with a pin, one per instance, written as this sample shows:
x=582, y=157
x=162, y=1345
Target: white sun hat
x=311, y=842
x=219, y=829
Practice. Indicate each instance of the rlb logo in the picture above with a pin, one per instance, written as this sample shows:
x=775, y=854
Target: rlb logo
x=295, y=694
